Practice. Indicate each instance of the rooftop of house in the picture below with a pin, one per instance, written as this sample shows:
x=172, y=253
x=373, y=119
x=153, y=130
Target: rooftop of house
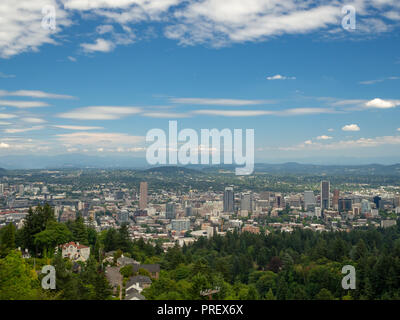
x=134, y=294
x=149, y=267
x=138, y=279
x=76, y=245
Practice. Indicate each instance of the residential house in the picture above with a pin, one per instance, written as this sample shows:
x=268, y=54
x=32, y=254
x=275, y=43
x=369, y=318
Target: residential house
x=153, y=269
x=75, y=251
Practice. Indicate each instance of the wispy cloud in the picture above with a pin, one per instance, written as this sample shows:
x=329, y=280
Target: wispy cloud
x=99, y=139
x=34, y=94
x=33, y=120
x=100, y=113
x=218, y=102
x=100, y=45
x=20, y=130
x=212, y=22
x=369, y=82
x=280, y=77
x=23, y=104
x=7, y=116
x=6, y=76
x=166, y=115
x=255, y=113
x=21, y=28
x=345, y=144
x=232, y=113
x=78, y=128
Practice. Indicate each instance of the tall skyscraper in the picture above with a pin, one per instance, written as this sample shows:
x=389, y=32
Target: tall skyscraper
x=279, y=200
x=325, y=192
x=143, y=196
x=246, y=202
x=309, y=199
x=378, y=202
x=170, y=211
x=21, y=189
x=345, y=205
x=397, y=201
x=365, y=206
x=335, y=199
x=188, y=211
x=229, y=200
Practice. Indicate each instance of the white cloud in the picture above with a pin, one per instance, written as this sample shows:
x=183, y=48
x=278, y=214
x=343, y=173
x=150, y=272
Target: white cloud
x=4, y=145
x=78, y=128
x=7, y=116
x=33, y=120
x=166, y=115
x=232, y=113
x=280, y=77
x=217, y=102
x=21, y=25
x=34, y=94
x=104, y=29
x=324, y=137
x=346, y=144
x=20, y=130
x=73, y=59
x=382, y=104
x=99, y=139
x=23, y=104
x=101, y=45
x=331, y=130
x=255, y=113
x=369, y=82
x=100, y=113
x=349, y=102
x=188, y=21
x=351, y=127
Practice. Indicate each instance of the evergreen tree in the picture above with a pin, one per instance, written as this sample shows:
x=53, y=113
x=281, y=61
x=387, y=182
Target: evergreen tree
x=7, y=240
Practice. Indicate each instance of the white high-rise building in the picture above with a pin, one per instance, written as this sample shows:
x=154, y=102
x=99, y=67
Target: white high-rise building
x=309, y=199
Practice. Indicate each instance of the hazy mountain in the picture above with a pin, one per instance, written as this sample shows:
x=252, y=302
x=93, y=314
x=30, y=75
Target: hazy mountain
x=86, y=161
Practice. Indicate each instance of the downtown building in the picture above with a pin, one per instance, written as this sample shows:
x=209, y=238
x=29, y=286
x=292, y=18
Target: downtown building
x=325, y=194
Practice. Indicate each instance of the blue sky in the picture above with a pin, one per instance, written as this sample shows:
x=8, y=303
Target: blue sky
x=113, y=70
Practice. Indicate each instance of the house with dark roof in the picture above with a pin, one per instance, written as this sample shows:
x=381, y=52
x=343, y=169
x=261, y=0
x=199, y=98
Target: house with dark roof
x=124, y=261
x=134, y=295
x=153, y=269
x=135, y=286
x=114, y=278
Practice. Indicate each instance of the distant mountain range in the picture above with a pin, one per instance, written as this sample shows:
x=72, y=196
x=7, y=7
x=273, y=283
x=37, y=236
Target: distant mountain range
x=69, y=161
x=15, y=162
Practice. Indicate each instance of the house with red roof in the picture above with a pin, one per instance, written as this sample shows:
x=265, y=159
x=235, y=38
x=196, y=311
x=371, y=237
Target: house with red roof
x=75, y=251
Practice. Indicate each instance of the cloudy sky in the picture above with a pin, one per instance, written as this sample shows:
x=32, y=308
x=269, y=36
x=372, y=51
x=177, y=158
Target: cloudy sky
x=111, y=70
